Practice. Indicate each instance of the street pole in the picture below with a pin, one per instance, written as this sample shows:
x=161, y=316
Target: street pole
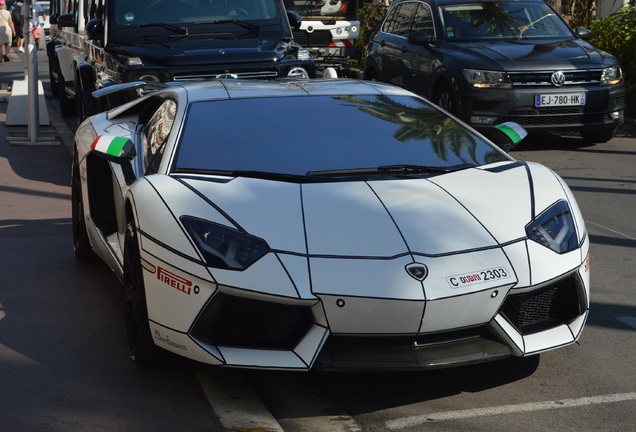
x=31, y=76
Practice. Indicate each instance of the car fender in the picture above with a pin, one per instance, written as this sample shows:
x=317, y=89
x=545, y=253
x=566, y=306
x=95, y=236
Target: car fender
x=65, y=61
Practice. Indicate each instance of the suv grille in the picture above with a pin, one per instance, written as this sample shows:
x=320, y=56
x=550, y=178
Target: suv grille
x=547, y=307
x=542, y=78
x=241, y=322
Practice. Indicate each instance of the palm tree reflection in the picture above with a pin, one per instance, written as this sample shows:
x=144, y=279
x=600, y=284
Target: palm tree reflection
x=424, y=123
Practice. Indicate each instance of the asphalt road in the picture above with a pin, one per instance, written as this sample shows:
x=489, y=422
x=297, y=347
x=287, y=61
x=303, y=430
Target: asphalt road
x=63, y=363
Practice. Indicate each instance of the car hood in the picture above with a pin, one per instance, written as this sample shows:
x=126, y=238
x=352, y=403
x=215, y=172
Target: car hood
x=467, y=210
x=206, y=51
x=521, y=55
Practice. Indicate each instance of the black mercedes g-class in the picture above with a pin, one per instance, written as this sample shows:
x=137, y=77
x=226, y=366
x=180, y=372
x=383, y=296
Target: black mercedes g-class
x=97, y=43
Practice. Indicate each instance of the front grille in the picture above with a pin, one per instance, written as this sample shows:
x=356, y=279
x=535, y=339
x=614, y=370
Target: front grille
x=409, y=341
x=547, y=307
x=240, y=322
x=317, y=38
x=543, y=78
x=556, y=116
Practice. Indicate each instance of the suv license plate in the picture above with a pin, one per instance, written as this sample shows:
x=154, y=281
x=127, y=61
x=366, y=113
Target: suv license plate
x=559, y=99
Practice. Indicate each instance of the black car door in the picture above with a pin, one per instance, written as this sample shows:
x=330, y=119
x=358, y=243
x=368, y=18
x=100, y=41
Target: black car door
x=418, y=60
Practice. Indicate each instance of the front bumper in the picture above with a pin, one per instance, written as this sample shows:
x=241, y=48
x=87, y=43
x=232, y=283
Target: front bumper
x=604, y=108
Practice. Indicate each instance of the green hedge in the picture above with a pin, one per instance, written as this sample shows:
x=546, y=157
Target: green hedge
x=616, y=34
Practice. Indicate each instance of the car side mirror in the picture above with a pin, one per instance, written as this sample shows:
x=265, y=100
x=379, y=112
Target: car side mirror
x=95, y=30
x=294, y=19
x=119, y=150
x=66, y=20
x=507, y=135
x=583, y=33
x=420, y=38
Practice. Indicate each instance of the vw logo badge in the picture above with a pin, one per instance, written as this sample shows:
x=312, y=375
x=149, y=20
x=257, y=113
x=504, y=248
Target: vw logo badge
x=417, y=271
x=558, y=78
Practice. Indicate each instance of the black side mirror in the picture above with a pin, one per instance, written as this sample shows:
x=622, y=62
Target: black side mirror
x=420, y=38
x=95, y=29
x=66, y=20
x=583, y=33
x=294, y=19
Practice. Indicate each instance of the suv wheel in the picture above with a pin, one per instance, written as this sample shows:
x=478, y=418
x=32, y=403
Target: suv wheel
x=444, y=98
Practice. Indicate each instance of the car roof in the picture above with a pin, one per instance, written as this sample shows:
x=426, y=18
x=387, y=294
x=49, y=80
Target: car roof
x=240, y=89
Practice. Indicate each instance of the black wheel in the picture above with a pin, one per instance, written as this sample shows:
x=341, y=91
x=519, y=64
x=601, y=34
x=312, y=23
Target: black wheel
x=81, y=243
x=84, y=107
x=444, y=98
x=598, y=136
x=371, y=75
x=55, y=89
x=141, y=348
x=67, y=105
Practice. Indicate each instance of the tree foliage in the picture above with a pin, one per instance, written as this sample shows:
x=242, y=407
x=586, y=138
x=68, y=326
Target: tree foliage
x=616, y=34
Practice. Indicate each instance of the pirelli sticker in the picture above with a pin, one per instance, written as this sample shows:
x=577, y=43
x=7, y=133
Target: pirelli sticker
x=478, y=277
x=174, y=280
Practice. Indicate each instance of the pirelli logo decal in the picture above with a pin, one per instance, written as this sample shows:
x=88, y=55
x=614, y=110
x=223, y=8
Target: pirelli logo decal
x=174, y=280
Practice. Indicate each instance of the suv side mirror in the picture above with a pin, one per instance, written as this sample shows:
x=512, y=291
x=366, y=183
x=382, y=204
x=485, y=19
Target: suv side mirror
x=95, y=30
x=66, y=20
x=420, y=38
x=583, y=33
x=294, y=19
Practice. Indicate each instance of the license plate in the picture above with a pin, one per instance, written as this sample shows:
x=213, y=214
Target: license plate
x=559, y=99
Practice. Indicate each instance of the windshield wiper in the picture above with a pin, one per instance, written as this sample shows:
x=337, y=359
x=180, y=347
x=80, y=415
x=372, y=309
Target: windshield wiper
x=174, y=28
x=244, y=24
x=241, y=173
x=391, y=169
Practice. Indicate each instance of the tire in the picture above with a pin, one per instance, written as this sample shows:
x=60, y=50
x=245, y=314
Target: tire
x=445, y=99
x=81, y=242
x=55, y=89
x=598, y=136
x=84, y=102
x=141, y=348
x=67, y=105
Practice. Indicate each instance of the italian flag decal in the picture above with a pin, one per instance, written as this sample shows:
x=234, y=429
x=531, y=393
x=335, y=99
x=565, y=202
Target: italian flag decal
x=112, y=145
x=513, y=130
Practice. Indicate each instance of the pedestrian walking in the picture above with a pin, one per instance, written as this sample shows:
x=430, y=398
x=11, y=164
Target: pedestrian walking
x=16, y=13
x=7, y=30
x=35, y=24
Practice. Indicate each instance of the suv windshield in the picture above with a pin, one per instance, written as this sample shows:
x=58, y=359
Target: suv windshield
x=507, y=19
x=400, y=134
x=193, y=11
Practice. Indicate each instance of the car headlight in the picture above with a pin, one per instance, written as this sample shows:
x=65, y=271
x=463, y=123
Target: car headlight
x=224, y=247
x=487, y=79
x=554, y=228
x=611, y=75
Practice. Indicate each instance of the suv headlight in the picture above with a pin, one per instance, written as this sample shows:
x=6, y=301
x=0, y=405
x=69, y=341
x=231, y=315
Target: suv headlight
x=611, y=75
x=487, y=79
x=554, y=228
x=224, y=247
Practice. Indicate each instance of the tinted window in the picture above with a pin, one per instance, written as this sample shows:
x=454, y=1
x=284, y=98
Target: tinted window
x=280, y=135
x=424, y=20
x=507, y=19
x=398, y=20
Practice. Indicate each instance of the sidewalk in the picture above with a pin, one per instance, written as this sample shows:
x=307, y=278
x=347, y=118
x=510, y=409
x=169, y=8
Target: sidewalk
x=57, y=130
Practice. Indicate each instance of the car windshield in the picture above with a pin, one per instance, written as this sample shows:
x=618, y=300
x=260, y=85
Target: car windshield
x=505, y=19
x=300, y=135
x=138, y=12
